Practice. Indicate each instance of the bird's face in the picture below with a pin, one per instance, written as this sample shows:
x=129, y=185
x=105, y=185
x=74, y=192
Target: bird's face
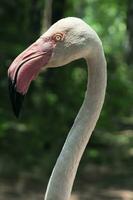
x=71, y=38
x=65, y=41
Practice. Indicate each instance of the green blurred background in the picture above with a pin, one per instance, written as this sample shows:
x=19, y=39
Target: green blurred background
x=31, y=144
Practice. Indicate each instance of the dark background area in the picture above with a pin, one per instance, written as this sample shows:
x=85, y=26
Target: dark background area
x=30, y=146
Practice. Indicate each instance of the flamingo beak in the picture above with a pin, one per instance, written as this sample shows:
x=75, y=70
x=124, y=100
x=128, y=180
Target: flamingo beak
x=25, y=68
x=15, y=97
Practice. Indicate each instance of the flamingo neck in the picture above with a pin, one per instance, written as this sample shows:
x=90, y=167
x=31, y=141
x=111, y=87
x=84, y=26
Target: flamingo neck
x=63, y=175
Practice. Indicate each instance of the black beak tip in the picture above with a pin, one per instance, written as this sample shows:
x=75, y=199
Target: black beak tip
x=16, y=98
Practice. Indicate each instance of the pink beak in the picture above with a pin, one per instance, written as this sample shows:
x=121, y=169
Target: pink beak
x=25, y=68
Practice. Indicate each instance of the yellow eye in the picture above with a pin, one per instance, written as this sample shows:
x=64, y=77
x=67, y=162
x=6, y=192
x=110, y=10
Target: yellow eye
x=58, y=37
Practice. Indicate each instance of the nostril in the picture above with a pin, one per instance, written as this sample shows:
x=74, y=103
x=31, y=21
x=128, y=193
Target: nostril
x=29, y=54
x=30, y=51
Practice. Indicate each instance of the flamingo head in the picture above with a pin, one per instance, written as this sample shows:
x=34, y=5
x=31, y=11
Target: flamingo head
x=63, y=42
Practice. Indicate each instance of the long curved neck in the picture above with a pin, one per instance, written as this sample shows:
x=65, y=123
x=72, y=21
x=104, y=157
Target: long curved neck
x=62, y=178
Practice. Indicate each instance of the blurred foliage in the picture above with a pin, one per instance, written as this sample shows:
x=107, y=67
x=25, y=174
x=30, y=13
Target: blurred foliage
x=34, y=141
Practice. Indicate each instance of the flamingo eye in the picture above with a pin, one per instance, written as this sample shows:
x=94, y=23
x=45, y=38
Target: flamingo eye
x=58, y=37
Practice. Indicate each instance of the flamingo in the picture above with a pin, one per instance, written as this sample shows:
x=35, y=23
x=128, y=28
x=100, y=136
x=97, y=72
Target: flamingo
x=68, y=39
